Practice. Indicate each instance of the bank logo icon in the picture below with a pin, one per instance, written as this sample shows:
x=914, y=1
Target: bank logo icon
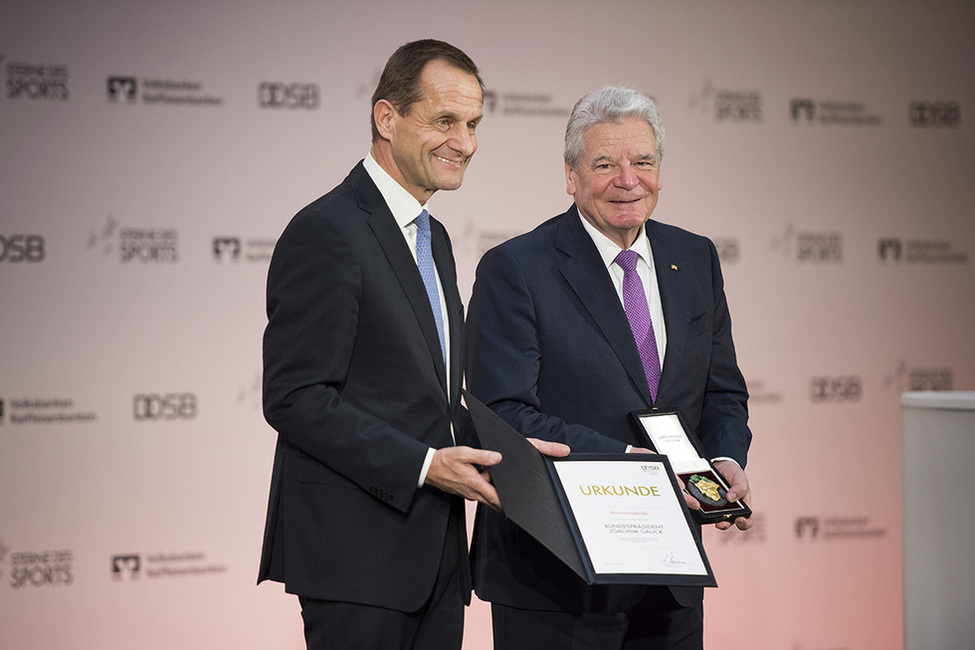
x=807, y=527
x=126, y=567
x=122, y=89
x=226, y=249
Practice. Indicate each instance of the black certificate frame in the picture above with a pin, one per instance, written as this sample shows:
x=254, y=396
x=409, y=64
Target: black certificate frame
x=534, y=499
x=668, y=579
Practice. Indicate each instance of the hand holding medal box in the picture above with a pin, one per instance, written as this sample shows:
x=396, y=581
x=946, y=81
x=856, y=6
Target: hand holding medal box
x=665, y=433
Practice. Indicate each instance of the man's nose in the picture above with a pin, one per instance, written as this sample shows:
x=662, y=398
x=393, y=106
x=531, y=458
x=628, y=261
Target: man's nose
x=464, y=140
x=627, y=178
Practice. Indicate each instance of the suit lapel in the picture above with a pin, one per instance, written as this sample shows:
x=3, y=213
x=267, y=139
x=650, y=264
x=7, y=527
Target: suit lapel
x=585, y=272
x=398, y=254
x=668, y=263
x=443, y=257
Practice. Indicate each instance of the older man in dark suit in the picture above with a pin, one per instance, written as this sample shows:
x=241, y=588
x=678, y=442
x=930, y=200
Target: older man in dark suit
x=598, y=312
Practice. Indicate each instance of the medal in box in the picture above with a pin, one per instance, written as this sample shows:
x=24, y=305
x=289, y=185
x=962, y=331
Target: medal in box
x=665, y=433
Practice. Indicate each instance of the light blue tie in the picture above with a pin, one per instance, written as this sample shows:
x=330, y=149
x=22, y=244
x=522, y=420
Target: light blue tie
x=424, y=261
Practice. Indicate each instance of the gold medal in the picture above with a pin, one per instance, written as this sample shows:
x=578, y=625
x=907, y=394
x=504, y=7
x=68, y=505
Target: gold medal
x=707, y=487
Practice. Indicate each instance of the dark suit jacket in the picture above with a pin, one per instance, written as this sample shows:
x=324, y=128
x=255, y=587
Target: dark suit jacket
x=551, y=351
x=355, y=385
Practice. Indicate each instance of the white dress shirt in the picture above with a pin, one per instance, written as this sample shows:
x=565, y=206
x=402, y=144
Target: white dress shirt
x=405, y=209
x=608, y=250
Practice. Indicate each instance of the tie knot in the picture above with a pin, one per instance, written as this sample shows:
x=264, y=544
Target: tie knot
x=423, y=221
x=627, y=260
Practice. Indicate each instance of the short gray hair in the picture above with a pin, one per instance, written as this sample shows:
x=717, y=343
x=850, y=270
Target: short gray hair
x=609, y=104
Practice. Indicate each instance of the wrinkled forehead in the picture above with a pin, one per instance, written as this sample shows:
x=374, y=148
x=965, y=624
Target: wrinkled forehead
x=630, y=138
x=442, y=83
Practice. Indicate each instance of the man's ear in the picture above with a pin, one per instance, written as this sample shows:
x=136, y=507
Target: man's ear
x=570, y=185
x=385, y=116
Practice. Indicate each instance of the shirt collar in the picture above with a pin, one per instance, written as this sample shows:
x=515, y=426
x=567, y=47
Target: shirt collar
x=608, y=249
x=402, y=204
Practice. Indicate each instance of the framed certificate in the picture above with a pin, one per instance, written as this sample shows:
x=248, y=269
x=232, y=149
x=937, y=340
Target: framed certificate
x=665, y=433
x=611, y=518
x=628, y=514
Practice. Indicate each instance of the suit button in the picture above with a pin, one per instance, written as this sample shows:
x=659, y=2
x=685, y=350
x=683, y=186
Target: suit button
x=381, y=494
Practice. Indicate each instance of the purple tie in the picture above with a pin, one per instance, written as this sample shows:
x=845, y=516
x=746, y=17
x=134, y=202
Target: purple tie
x=637, y=312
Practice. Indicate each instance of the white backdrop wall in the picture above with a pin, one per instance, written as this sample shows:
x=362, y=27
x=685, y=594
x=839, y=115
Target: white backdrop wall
x=151, y=154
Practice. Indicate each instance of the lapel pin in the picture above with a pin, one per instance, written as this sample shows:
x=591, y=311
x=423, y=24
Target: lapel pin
x=673, y=267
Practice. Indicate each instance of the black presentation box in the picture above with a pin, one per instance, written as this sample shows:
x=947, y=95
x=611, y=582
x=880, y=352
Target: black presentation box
x=665, y=432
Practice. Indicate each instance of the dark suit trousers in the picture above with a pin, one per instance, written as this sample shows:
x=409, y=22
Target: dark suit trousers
x=438, y=625
x=656, y=623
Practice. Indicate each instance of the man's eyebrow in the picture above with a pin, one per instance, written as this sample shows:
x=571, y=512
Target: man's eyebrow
x=457, y=117
x=607, y=158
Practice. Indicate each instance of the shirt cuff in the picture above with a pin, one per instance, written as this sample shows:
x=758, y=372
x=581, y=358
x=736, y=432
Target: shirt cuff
x=426, y=466
x=714, y=460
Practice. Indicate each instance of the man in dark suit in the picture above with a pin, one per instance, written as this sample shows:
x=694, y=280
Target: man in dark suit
x=362, y=374
x=598, y=312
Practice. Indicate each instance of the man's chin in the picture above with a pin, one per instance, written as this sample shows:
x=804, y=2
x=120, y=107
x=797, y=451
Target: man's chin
x=630, y=218
x=451, y=183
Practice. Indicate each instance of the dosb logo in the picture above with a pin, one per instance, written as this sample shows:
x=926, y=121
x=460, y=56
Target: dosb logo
x=21, y=248
x=294, y=96
x=835, y=389
x=171, y=406
x=652, y=470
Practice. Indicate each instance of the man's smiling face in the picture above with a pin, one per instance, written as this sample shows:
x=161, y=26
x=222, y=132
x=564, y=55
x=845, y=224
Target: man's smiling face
x=618, y=178
x=434, y=141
